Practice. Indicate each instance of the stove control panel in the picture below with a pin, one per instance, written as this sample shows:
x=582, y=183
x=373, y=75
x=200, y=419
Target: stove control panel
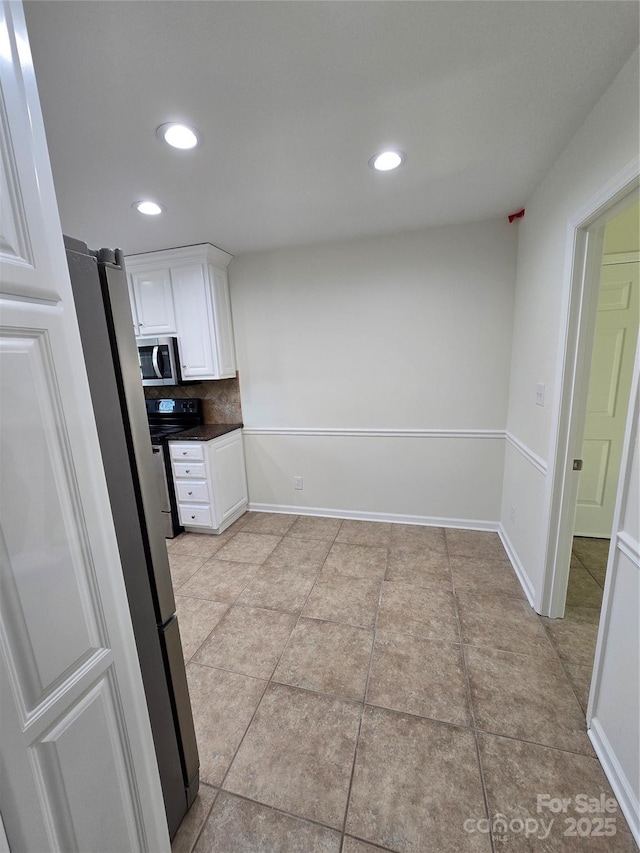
x=191, y=406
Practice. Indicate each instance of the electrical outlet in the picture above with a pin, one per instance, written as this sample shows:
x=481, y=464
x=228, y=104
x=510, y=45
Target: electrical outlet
x=297, y=482
x=512, y=514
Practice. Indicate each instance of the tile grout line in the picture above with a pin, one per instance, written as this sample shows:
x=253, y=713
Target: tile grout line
x=278, y=810
x=204, y=822
x=219, y=787
x=364, y=697
x=299, y=615
x=229, y=604
x=189, y=660
x=232, y=603
x=470, y=699
x=266, y=687
x=593, y=756
x=563, y=663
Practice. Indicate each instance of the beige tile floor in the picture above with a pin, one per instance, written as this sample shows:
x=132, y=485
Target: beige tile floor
x=362, y=687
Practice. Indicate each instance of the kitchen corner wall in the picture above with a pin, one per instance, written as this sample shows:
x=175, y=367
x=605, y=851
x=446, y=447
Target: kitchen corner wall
x=605, y=144
x=220, y=398
x=377, y=370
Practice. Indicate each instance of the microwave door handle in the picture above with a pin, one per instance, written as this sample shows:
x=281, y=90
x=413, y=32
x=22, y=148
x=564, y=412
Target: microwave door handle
x=154, y=361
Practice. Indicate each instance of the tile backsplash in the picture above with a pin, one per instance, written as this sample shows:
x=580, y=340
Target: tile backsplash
x=220, y=398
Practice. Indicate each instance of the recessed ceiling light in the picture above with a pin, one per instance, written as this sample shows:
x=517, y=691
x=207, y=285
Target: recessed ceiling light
x=149, y=208
x=178, y=135
x=385, y=161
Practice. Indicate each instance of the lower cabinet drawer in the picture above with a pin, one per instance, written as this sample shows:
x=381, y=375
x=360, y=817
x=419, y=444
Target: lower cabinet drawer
x=190, y=492
x=195, y=516
x=192, y=470
x=186, y=450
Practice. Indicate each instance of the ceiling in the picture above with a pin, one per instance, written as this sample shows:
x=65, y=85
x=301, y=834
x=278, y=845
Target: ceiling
x=293, y=98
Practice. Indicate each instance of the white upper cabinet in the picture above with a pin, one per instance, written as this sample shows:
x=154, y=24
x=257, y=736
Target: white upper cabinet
x=189, y=288
x=194, y=321
x=153, y=301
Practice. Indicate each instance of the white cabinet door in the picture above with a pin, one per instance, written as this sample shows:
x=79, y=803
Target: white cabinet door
x=154, y=302
x=78, y=769
x=194, y=327
x=223, y=325
x=226, y=463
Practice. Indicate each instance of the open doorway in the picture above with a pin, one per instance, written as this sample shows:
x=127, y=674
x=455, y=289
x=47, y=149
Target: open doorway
x=608, y=375
x=585, y=254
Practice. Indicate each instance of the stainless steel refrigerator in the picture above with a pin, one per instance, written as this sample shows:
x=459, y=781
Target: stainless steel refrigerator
x=106, y=328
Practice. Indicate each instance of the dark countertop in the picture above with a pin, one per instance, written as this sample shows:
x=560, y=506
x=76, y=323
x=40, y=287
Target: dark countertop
x=206, y=432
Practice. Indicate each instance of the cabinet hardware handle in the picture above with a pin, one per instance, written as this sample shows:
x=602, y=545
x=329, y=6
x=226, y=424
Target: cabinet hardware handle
x=184, y=452
x=187, y=470
x=193, y=516
x=189, y=493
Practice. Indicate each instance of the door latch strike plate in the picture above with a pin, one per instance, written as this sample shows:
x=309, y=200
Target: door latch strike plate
x=577, y=464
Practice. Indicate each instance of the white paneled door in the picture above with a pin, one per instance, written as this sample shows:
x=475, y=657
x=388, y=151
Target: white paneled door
x=615, y=341
x=77, y=769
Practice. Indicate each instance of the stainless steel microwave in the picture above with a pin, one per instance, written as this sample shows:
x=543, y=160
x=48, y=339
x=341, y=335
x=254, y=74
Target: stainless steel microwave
x=159, y=361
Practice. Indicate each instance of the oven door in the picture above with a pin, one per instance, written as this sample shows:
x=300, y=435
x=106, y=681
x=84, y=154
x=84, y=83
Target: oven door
x=159, y=364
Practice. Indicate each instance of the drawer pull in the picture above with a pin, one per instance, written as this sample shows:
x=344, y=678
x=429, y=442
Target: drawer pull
x=193, y=516
x=184, y=452
x=189, y=493
x=187, y=470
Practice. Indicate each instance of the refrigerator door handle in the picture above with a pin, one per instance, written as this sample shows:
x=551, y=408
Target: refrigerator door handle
x=154, y=361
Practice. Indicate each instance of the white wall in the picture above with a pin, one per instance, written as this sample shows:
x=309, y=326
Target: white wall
x=407, y=332
x=602, y=148
x=605, y=144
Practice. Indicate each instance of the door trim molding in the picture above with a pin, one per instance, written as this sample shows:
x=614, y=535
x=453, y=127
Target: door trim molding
x=583, y=261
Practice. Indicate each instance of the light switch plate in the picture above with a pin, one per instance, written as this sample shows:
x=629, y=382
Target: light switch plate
x=540, y=388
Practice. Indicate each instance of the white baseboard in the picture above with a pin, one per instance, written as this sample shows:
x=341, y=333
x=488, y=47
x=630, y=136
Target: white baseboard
x=617, y=778
x=518, y=568
x=359, y=515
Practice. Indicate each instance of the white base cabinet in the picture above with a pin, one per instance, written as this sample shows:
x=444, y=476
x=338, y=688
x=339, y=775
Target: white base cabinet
x=186, y=292
x=210, y=481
